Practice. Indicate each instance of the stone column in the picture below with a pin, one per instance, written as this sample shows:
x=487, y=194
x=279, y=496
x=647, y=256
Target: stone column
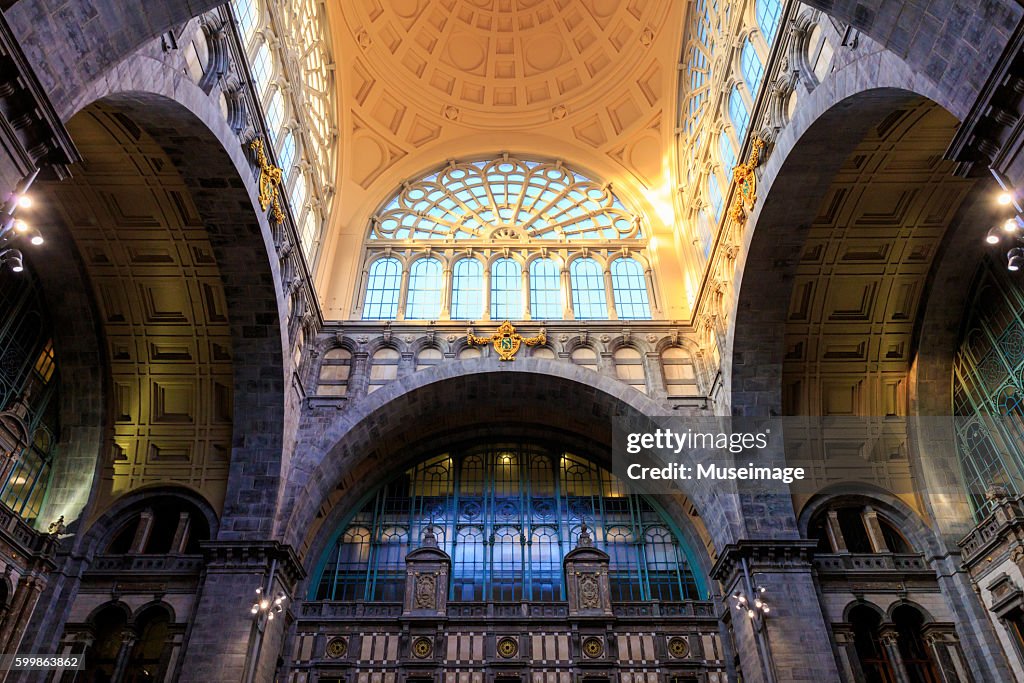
x=447, y=292
x=846, y=646
x=889, y=638
x=24, y=603
x=586, y=576
x=224, y=632
x=790, y=644
x=128, y=638
x=874, y=528
x=426, y=579
x=609, y=294
x=567, y=311
x=526, y=293
x=945, y=650
x=835, y=533
x=181, y=533
x=142, y=531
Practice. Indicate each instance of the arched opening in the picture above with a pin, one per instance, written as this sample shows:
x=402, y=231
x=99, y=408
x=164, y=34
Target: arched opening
x=872, y=658
x=151, y=651
x=915, y=653
x=109, y=626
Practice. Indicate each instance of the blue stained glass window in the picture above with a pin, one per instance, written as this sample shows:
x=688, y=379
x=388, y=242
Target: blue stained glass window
x=715, y=195
x=629, y=287
x=382, y=289
x=739, y=113
x=506, y=290
x=752, y=67
x=507, y=515
x=467, y=289
x=728, y=152
x=589, y=301
x=426, y=280
x=262, y=68
x=769, y=13
x=545, y=290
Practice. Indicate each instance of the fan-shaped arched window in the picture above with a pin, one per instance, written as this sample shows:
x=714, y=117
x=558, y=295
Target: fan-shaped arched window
x=506, y=290
x=699, y=63
x=545, y=290
x=467, y=289
x=739, y=113
x=753, y=69
x=425, y=283
x=589, y=301
x=506, y=515
x=514, y=211
x=769, y=13
x=629, y=287
x=382, y=289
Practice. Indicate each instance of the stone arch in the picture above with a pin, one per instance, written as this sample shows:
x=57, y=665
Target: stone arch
x=191, y=129
x=429, y=408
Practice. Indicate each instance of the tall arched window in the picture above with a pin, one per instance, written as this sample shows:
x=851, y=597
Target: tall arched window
x=506, y=290
x=262, y=68
x=727, y=151
x=545, y=290
x=467, y=289
x=506, y=515
x=382, y=289
x=739, y=113
x=752, y=67
x=297, y=196
x=629, y=287
x=589, y=301
x=248, y=18
x=699, y=63
x=287, y=153
x=769, y=13
x=715, y=196
x=705, y=232
x=275, y=113
x=425, y=283
x=513, y=211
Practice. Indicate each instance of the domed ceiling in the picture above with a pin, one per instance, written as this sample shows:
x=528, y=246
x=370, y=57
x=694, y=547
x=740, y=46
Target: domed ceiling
x=424, y=81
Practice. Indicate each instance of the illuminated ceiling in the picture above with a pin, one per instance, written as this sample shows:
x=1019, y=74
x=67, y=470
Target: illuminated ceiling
x=424, y=81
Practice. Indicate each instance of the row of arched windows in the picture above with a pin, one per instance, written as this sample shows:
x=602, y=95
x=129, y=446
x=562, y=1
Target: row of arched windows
x=710, y=21
x=677, y=367
x=506, y=290
x=298, y=107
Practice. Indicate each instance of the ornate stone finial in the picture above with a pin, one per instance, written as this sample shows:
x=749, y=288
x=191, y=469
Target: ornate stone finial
x=584, y=541
x=57, y=528
x=997, y=493
x=429, y=539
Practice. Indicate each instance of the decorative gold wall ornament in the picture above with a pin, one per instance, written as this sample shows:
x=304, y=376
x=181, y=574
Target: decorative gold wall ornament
x=271, y=180
x=593, y=647
x=507, y=341
x=337, y=647
x=508, y=647
x=422, y=647
x=746, y=183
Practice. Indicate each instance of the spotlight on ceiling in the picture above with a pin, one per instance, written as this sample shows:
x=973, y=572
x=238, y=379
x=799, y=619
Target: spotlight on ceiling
x=1004, y=198
x=993, y=235
x=37, y=240
x=1015, y=259
x=1011, y=225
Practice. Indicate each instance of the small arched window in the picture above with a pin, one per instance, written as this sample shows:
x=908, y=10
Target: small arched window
x=467, y=289
x=382, y=289
x=262, y=68
x=589, y=301
x=715, y=196
x=545, y=290
x=383, y=368
x=727, y=150
x=629, y=367
x=678, y=371
x=629, y=286
x=334, y=372
x=753, y=69
x=585, y=357
x=739, y=113
x=769, y=13
x=428, y=358
x=506, y=290
x=425, y=283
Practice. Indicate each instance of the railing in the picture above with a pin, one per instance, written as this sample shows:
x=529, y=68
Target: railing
x=859, y=562
x=1009, y=512
x=323, y=609
x=20, y=532
x=173, y=564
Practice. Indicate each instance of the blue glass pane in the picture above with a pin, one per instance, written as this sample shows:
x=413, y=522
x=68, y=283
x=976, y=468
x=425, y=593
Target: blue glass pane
x=738, y=113
x=715, y=195
x=245, y=11
x=769, y=12
x=426, y=281
x=588, y=296
x=630, y=288
x=262, y=68
x=545, y=290
x=287, y=153
x=506, y=516
x=705, y=232
x=728, y=152
x=752, y=67
x=506, y=290
x=275, y=114
x=382, y=288
x=467, y=289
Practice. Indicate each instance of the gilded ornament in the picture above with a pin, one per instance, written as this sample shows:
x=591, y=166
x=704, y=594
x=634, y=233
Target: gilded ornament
x=593, y=647
x=506, y=340
x=746, y=183
x=337, y=647
x=269, y=182
x=422, y=647
x=678, y=647
x=508, y=647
